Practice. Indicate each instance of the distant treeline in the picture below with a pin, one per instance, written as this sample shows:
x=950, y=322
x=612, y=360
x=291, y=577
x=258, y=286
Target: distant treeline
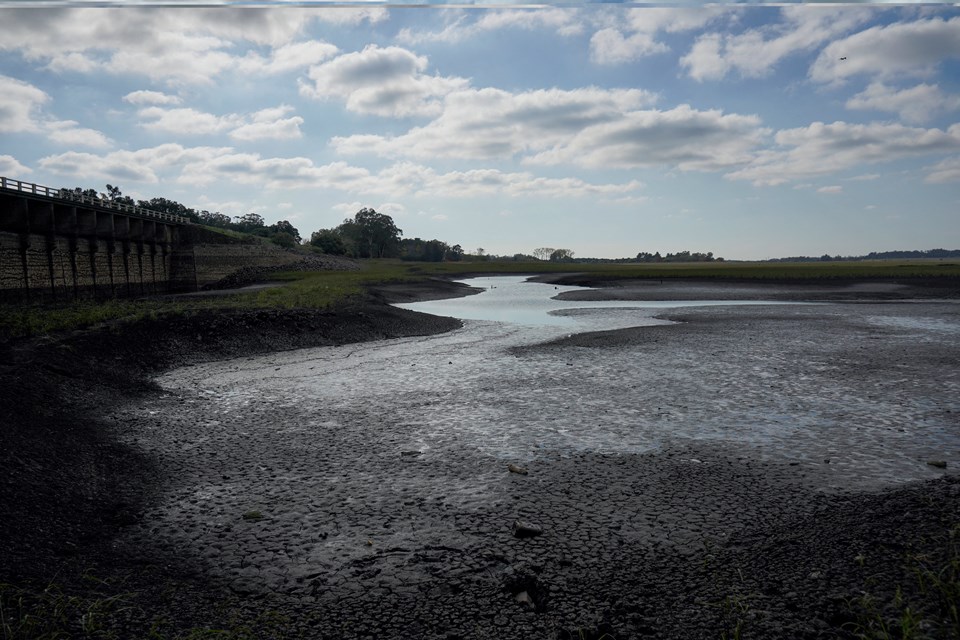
x=877, y=255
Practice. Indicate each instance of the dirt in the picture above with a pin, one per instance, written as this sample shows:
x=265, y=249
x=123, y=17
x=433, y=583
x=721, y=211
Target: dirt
x=690, y=541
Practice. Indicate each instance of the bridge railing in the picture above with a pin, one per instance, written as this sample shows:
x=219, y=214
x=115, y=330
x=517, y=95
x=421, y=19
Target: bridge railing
x=9, y=184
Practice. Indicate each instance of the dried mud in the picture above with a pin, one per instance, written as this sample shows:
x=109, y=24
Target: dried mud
x=382, y=510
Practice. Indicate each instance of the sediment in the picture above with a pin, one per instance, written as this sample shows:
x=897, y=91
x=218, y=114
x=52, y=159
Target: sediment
x=697, y=541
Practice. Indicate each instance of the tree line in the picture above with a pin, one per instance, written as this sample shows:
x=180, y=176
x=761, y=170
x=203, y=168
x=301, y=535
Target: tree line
x=282, y=233
x=877, y=255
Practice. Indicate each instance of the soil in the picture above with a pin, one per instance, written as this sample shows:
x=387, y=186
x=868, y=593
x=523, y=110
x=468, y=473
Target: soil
x=686, y=542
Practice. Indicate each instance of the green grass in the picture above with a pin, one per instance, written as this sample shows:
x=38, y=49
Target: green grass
x=319, y=290
x=928, y=606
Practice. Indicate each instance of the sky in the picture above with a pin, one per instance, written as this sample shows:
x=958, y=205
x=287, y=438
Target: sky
x=750, y=131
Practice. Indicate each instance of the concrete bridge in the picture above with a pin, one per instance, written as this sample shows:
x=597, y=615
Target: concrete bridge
x=58, y=245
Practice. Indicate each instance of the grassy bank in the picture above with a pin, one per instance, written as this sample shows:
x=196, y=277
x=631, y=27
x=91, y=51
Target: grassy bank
x=323, y=289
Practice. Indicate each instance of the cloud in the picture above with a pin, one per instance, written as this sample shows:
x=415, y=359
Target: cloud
x=140, y=98
x=831, y=189
x=822, y=149
x=186, y=121
x=174, y=45
x=207, y=165
x=264, y=124
x=19, y=104
x=564, y=21
x=137, y=166
x=267, y=125
x=946, y=171
x=10, y=167
x=67, y=132
x=609, y=46
x=682, y=137
x=288, y=58
x=915, y=105
x=21, y=112
x=634, y=34
x=755, y=52
x=491, y=123
x=381, y=81
x=899, y=49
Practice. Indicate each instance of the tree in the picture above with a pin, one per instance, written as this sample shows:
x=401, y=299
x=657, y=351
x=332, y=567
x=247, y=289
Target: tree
x=328, y=241
x=249, y=222
x=543, y=253
x=285, y=227
x=455, y=254
x=283, y=239
x=114, y=194
x=561, y=255
x=214, y=219
x=374, y=235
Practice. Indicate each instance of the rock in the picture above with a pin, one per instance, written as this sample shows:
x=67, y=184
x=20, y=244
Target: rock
x=523, y=529
x=524, y=599
x=939, y=464
x=512, y=468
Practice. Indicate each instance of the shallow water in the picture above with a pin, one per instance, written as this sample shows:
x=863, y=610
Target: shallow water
x=513, y=299
x=465, y=394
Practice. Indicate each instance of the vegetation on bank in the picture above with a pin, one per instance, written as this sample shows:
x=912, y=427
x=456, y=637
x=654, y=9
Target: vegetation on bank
x=324, y=289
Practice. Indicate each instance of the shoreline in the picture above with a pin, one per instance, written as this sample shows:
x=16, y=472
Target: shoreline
x=88, y=489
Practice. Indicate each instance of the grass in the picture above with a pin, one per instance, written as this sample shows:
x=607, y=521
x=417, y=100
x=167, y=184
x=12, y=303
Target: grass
x=929, y=607
x=51, y=614
x=319, y=290
x=98, y=613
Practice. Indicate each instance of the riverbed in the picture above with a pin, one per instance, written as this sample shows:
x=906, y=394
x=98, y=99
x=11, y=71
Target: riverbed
x=375, y=476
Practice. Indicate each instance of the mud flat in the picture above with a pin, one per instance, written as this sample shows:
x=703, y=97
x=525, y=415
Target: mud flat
x=753, y=471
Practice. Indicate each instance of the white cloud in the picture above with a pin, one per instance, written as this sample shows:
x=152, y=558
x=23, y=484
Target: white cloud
x=181, y=46
x=946, y=171
x=205, y=165
x=20, y=112
x=634, y=33
x=186, y=121
x=386, y=81
x=138, y=166
x=831, y=189
x=899, y=49
x=683, y=137
x=140, y=98
x=914, y=105
x=490, y=123
x=440, y=217
x=19, y=104
x=609, y=46
x=288, y=58
x=460, y=27
x=267, y=123
x=755, y=52
x=11, y=168
x=270, y=124
x=67, y=132
x=392, y=209
x=822, y=149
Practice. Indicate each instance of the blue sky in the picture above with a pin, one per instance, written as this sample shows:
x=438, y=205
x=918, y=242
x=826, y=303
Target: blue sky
x=749, y=131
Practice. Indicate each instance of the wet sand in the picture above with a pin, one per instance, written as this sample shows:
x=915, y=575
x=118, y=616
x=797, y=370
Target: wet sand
x=334, y=518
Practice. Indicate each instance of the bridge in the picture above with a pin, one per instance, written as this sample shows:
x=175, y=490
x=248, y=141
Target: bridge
x=59, y=244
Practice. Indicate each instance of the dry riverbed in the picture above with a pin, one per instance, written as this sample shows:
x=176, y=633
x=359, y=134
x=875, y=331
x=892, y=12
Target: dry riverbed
x=776, y=484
